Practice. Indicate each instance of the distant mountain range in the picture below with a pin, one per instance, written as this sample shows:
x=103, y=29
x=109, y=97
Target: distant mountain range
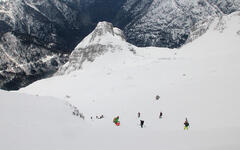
x=36, y=36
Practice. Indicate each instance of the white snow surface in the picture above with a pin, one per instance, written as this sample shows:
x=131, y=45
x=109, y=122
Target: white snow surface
x=199, y=81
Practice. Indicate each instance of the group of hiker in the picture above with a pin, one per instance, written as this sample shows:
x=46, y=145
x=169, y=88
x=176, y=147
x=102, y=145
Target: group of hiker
x=142, y=121
x=116, y=119
x=77, y=113
x=117, y=122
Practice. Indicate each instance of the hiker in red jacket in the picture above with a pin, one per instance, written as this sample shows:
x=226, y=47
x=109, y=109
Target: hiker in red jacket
x=116, y=121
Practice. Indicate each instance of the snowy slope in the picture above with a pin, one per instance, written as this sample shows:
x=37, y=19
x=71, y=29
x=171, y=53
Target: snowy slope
x=199, y=81
x=33, y=122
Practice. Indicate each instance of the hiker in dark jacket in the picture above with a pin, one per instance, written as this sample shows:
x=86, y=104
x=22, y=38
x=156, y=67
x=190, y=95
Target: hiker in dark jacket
x=141, y=123
x=139, y=114
x=186, y=124
x=160, y=115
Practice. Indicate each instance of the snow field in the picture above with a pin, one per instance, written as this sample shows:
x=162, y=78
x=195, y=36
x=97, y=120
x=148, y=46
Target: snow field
x=199, y=81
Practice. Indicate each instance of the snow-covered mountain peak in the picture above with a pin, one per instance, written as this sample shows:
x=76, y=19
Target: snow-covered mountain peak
x=104, y=38
x=102, y=34
x=103, y=28
x=107, y=27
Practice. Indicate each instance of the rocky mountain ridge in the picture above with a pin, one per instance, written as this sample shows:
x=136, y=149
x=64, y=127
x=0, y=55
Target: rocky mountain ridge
x=33, y=30
x=170, y=23
x=104, y=38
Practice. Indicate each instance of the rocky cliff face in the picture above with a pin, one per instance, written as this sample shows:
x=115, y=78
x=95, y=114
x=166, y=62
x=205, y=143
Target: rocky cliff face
x=104, y=38
x=35, y=34
x=33, y=30
x=170, y=23
x=28, y=44
x=22, y=63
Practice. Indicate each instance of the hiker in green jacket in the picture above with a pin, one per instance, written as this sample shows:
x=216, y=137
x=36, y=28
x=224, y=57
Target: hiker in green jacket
x=116, y=120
